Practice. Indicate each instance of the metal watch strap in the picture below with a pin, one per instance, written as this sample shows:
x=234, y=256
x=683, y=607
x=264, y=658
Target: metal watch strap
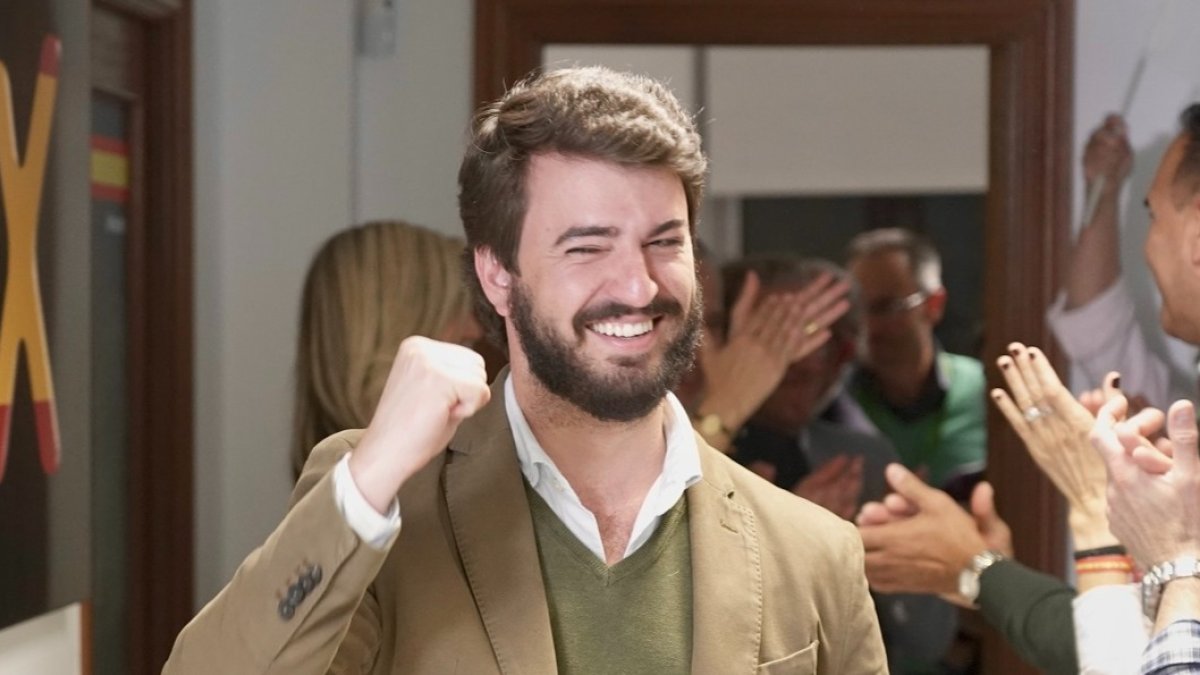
x=973, y=572
x=984, y=560
x=1159, y=575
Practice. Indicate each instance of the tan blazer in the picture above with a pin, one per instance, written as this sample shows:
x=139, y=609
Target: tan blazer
x=778, y=582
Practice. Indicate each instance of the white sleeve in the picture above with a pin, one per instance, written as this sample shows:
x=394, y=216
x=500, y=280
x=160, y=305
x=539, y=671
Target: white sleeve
x=376, y=530
x=1104, y=335
x=1110, y=630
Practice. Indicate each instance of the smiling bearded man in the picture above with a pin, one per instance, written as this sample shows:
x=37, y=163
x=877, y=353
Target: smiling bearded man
x=566, y=520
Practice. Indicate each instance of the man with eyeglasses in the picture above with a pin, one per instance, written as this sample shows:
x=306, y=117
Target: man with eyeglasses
x=927, y=402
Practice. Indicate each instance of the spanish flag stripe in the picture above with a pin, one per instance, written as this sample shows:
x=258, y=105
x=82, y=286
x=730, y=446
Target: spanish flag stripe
x=105, y=193
x=109, y=169
x=110, y=144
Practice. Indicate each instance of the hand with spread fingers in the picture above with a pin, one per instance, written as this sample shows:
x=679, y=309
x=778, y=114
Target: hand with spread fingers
x=1055, y=428
x=767, y=333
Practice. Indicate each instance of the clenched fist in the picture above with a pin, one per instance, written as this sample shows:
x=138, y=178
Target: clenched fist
x=432, y=387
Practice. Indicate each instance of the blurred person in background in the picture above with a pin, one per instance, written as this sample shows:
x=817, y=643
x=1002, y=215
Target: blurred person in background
x=928, y=402
x=368, y=288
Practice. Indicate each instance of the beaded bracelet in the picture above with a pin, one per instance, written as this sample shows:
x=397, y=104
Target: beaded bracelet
x=1108, y=563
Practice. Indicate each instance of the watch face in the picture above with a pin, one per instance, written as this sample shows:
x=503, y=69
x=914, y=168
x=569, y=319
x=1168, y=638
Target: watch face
x=968, y=585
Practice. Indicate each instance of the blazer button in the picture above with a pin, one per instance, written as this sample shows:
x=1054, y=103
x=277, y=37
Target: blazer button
x=315, y=574
x=306, y=583
x=286, y=609
x=295, y=594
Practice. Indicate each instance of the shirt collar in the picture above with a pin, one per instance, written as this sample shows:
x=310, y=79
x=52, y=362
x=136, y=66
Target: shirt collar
x=681, y=464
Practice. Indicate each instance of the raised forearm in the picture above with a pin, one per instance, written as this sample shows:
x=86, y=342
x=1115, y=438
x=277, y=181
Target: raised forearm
x=1095, y=263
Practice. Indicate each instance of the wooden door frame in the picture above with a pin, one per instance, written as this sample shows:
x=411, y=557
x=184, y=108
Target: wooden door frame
x=160, y=504
x=1031, y=48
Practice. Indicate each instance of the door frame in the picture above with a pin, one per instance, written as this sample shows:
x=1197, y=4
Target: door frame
x=159, y=267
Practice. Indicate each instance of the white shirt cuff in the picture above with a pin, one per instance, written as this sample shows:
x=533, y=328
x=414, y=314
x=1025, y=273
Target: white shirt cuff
x=1085, y=331
x=1104, y=335
x=376, y=530
x=1110, y=630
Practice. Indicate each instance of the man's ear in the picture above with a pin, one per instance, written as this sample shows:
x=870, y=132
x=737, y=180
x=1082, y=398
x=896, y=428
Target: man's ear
x=935, y=306
x=495, y=279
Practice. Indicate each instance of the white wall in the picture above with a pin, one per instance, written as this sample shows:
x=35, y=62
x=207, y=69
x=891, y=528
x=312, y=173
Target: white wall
x=848, y=120
x=296, y=138
x=273, y=133
x=1111, y=35
x=413, y=112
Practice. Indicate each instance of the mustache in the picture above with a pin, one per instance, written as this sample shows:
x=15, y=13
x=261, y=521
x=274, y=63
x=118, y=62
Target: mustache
x=661, y=305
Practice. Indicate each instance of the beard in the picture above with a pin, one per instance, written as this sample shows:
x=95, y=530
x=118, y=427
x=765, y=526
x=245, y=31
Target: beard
x=635, y=386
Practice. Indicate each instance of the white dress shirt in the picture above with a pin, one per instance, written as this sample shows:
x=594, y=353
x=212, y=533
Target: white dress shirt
x=1104, y=335
x=1110, y=630
x=376, y=530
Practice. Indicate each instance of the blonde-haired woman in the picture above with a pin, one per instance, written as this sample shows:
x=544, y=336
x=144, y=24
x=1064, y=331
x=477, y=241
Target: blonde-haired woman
x=367, y=289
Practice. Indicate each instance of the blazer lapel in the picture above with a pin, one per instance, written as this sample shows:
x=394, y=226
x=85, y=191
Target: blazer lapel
x=727, y=584
x=493, y=528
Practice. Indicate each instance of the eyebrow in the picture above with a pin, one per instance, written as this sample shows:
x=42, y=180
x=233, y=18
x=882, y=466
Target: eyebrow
x=582, y=231
x=672, y=224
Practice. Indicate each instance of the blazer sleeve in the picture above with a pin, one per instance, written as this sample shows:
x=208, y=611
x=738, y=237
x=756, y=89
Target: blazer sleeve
x=314, y=558
x=1033, y=612
x=860, y=651
x=360, y=648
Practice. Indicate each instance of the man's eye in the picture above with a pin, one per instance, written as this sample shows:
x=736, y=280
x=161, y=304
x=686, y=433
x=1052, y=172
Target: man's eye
x=670, y=242
x=583, y=250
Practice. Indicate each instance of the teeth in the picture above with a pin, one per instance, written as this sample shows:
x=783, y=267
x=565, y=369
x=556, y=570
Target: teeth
x=613, y=329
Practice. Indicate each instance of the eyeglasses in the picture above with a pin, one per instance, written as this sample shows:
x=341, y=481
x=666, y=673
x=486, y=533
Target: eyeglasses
x=893, y=306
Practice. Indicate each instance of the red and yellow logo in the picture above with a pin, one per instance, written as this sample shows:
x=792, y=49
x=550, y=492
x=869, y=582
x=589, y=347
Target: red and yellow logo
x=22, y=323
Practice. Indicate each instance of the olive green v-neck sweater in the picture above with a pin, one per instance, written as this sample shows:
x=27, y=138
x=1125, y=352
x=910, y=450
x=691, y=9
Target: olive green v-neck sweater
x=632, y=617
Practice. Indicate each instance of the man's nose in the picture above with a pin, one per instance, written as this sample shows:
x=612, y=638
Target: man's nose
x=632, y=281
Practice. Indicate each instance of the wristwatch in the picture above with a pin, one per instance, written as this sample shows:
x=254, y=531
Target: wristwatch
x=1158, y=577
x=968, y=578
x=710, y=425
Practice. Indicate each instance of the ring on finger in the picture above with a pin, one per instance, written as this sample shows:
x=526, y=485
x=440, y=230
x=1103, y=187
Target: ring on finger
x=1037, y=411
x=811, y=327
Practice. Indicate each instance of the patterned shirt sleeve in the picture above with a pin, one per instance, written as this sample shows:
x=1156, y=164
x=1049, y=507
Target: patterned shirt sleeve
x=1174, y=651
